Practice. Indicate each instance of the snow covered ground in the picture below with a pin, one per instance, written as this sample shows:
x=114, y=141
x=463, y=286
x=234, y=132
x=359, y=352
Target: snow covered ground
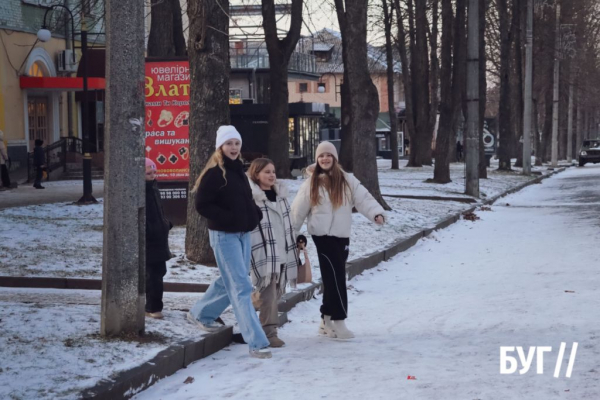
x=525, y=274
x=65, y=240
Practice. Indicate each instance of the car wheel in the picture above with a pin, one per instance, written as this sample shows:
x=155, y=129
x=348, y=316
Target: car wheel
x=581, y=162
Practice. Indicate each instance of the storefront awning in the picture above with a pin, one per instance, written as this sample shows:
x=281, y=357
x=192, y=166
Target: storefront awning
x=60, y=83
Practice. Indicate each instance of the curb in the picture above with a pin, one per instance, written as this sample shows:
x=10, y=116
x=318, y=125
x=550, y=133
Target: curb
x=128, y=383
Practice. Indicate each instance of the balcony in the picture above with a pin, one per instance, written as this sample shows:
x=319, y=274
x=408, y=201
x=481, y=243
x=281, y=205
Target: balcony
x=299, y=62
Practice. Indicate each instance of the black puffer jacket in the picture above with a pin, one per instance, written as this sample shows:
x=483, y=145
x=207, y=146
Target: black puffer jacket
x=228, y=206
x=157, y=227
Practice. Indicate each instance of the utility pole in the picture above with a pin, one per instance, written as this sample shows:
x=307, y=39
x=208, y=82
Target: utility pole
x=528, y=91
x=123, y=256
x=556, y=99
x=472, y=142
x=570, y=121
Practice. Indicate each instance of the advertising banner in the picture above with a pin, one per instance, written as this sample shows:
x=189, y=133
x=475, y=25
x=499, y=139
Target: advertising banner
x=167, y=94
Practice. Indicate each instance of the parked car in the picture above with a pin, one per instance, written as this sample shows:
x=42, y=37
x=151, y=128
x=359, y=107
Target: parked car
x=589, y=152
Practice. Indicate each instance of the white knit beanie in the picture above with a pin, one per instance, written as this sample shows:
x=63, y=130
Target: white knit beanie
x=225, y=133
x=326, y=147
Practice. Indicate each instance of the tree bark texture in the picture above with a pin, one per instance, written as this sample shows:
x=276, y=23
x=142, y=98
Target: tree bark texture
x=504, y=109
x=406, y=73
x=166, y=30
x=482, y=87
x=420, y=153
x=388, y=21
x=441, y=172
x=347, y=143
x=364, y=100
x=434, y=80
x=209, y=106
x=459, y=79
x=280, y=52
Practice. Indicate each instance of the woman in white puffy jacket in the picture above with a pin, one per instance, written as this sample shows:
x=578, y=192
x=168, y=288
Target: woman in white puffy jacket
x=326, y=199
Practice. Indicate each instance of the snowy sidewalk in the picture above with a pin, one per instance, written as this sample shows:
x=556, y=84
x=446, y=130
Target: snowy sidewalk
x=525, y=274
x=55, y=192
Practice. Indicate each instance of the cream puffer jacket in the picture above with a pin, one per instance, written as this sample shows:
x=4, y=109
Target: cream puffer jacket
x=323, y=219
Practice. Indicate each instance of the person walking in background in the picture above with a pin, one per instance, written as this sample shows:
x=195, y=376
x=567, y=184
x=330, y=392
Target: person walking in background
x=4, y=164
x=326, y=198
x=157, y=244
x=224, y=198
x=274, y=259
x=39, y=161
x=459, y=151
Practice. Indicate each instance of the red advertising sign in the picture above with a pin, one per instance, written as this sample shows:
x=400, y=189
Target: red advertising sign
x=167, y=91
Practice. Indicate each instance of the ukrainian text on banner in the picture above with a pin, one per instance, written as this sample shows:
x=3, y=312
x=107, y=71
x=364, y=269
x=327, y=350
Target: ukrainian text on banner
x=167, y=93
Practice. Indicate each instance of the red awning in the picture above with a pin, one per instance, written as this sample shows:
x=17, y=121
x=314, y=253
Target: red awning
x=61, y=83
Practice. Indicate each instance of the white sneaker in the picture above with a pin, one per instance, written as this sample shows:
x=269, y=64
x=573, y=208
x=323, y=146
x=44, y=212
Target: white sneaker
x=337, y=329
x=261, y=353
x=212, y=327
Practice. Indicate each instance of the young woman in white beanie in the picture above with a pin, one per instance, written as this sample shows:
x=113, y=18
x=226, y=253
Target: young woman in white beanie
x=326, y=198
x=274, y=256
x=224, y=198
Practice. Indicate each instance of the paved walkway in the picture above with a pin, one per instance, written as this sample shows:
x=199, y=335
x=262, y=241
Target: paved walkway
x=55, y=192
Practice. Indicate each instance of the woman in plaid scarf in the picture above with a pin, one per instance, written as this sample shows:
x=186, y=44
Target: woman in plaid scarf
x=274, y=259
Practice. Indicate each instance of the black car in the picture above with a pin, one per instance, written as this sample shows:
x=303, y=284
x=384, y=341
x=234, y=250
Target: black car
x=589, y=152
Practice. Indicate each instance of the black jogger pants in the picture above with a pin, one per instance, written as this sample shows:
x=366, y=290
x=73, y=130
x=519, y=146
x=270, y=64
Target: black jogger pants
x=333, y=253
x=154, y=286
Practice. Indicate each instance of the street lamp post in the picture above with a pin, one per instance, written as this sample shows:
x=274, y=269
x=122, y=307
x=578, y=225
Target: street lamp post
x=321, y=84
x=45, y=35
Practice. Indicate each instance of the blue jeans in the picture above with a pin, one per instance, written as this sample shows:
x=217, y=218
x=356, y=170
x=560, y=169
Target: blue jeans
x=232, y=251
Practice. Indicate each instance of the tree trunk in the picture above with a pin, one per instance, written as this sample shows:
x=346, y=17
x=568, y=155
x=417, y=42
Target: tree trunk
x=482, y=88
x=441, y=172
x=422, y=141
x=504, y=110
x=435, y=72
x=166, y=30
x=280, y=52
x=517, y=80
x=388, y=20
x=364, y=100
x=209, y=106
x=459, y=79
x=547, y=133
x=347, y=143
x=406, y=74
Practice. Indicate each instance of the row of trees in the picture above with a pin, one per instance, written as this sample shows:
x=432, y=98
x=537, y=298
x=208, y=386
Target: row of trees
x=430, y=38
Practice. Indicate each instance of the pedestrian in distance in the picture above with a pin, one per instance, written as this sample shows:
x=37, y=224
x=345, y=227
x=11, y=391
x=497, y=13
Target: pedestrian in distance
x=224, y=198
x=459, y=151
x=39, y=161
x=157, y=244
x=326, y=200
x=4, y=164
x=274, y=260
x=304, y=269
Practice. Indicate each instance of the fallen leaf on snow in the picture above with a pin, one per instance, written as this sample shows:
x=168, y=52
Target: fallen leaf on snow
x=189, y=380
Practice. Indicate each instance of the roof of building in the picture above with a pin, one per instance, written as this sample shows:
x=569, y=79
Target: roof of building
x=327, y=39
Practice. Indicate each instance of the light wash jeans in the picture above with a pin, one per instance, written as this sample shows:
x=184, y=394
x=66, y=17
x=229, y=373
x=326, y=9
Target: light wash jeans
x=232, y=251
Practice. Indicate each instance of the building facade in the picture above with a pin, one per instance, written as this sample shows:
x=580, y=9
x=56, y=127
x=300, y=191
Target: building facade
x=41, y=108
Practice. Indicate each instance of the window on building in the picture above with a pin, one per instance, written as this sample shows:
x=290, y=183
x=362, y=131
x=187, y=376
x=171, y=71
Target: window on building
x=303, y=87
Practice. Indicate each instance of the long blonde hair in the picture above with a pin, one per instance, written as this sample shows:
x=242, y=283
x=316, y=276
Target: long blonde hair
x=334, y=182
x=258, y=165
x=215, y=159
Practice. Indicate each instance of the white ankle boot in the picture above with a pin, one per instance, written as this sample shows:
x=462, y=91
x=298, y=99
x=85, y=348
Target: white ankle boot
x=336, y=329
x=322, y=328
